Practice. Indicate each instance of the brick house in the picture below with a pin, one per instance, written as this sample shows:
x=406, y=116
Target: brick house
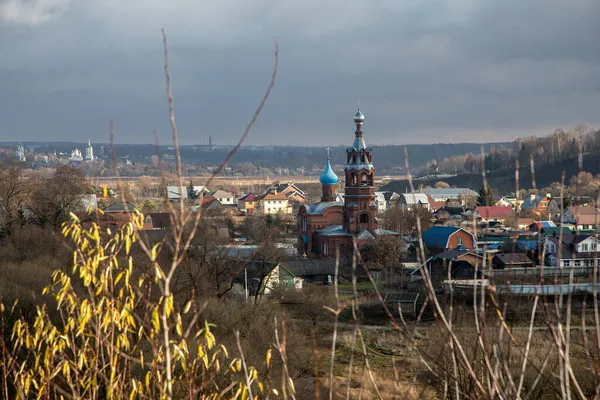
x=442, y=238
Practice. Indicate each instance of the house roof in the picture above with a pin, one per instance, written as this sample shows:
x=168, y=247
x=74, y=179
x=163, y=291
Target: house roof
x=545, y=224
x=119, y=207
x=311, y=267
x=333, y=230
x=525, y=221
x=319, y=208
x=273, y=196
x=209, y=201
x=222, y=193
x=435, y=205
x=448, y=193
x=454, y=254
x=513, y=258
x=494, y=211
x=249, y=197
x=438, y=236
x=532, y=201
x=555, y=231
x=415, y=198
x=586, y=215
x=390, y=195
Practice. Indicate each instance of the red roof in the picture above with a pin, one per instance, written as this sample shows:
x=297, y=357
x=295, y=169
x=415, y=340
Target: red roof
x=494, y=212
x=435, y=205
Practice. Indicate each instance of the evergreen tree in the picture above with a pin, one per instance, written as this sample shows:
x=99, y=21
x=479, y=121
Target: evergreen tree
x=192, y=194
x=486, y=196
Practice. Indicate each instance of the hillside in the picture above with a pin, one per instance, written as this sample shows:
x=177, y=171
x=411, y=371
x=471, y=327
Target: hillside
x=503, y=181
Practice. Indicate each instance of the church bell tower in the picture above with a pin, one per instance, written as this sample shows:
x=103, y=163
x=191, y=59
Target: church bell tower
x=360, y=204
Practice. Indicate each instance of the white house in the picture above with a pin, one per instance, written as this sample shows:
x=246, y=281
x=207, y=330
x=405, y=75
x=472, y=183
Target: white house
x=381, y=202
x=582, y=217
x=274, y=203
x=224, y=197
x=572, y=251
x=412, y=201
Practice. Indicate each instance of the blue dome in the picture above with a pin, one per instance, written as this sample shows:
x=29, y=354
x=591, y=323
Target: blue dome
x=328, y=177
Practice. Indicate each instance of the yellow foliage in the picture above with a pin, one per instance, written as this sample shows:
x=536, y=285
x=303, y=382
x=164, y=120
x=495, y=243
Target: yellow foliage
x=109, y=341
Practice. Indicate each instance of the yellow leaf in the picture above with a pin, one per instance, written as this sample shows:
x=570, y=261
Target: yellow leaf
x=269, y=354
x=187, y=307
x=155, y=319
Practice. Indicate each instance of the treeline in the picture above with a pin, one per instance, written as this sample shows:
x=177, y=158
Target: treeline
x=552, y=149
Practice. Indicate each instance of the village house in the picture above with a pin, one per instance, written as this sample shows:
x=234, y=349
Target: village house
x=462, y=264
x=381, y=202
x=509, y=201
x=224, y=197
x=265, y=278
x=585, y=217
x=572, y=251
x=247, y=203
x=493, y=213
x=412, y=201
x=442, y=238
x=541, y=205
x=274, y=203
x=435, y=205
x=294, y=194
x=460, y=195
x=523, y=224
x=511, y=260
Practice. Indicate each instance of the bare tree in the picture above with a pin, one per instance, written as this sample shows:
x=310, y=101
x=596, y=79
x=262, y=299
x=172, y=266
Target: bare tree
x=14, y=191
x=57, y=195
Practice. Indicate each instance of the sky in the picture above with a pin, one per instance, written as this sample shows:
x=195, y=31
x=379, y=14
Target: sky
x=425, y=71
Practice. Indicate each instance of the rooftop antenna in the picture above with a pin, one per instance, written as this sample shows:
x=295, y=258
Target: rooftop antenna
x=327, y=148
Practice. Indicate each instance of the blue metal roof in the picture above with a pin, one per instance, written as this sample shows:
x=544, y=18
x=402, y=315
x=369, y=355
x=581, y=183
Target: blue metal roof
x=437, y=236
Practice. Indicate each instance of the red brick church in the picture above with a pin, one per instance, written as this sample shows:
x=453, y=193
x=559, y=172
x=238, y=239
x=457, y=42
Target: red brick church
x=329, y=224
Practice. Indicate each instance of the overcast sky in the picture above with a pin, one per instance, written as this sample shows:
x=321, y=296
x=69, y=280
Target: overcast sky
x=425, y=70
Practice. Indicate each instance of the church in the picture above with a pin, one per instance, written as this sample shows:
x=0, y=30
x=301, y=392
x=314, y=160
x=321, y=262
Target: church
x=325, y=226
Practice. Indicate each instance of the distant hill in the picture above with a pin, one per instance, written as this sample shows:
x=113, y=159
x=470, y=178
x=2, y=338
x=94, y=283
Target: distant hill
x=387, y=159
x=503, y=181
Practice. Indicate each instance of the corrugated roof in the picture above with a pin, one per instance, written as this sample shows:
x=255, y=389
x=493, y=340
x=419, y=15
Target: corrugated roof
x=438, y=236
x=449, y=192
x=414, y=198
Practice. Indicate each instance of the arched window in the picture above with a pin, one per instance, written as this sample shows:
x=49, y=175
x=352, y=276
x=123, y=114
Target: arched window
x=363, y=179
x=362, y=157
x=353, y=156
x=364, y=218
x=354, y=180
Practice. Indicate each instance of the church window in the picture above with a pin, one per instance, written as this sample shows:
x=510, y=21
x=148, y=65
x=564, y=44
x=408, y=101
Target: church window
x=354, y=180
x=362, y=157
x=353, y=157
x=364, y=218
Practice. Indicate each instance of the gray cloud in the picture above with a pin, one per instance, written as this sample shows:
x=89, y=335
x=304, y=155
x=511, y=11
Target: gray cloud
x=427, y=71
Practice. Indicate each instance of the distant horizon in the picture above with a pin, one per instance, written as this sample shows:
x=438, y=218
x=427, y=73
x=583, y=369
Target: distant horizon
x=36, y=142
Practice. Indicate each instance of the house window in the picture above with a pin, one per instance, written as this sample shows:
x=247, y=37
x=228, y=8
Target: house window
x=566, y=263
x=584, y=247
x=578, y=263
x=460, y=241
